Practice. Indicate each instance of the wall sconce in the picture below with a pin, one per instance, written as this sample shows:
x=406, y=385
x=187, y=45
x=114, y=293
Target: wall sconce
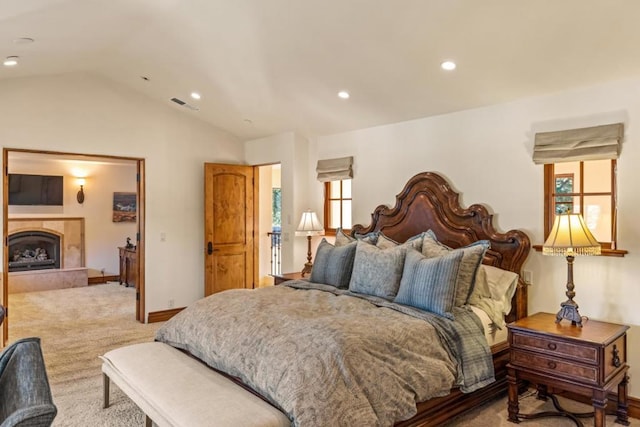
x=80, y=195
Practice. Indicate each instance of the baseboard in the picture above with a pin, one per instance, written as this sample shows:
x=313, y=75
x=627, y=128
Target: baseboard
x=161, y=316
x=634, y=407
x=97, y=280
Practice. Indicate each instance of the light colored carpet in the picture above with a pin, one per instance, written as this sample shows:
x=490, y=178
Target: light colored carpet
x=77, y=325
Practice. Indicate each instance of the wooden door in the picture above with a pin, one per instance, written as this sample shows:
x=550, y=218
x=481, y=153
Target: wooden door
x=230, y=222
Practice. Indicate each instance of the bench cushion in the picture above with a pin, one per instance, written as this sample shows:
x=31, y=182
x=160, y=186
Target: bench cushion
x=174, y=389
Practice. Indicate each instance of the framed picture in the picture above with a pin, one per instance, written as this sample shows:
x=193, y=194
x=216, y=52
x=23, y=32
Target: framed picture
x=124, y=207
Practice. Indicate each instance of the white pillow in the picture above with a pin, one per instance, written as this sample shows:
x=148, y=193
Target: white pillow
x=502, y=285
x=493, y=292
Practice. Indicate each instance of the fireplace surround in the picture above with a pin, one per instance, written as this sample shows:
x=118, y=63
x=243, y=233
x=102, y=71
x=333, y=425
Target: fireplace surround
x=61, y=239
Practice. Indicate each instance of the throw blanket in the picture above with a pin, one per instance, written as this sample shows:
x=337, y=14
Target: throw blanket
x=326, y=358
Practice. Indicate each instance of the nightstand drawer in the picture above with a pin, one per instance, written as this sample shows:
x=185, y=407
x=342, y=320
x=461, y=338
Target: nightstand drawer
x=557, y=367
x=552, y=347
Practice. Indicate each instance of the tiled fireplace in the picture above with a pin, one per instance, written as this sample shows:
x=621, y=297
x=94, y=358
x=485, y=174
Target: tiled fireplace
x=46, y=253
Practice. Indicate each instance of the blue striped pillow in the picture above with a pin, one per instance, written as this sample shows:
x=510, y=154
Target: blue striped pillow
x=471, y=260
x=430, y=283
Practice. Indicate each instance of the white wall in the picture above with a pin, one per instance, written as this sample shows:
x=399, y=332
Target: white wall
x=81, y=113
x=102, y=235
x=486, y=155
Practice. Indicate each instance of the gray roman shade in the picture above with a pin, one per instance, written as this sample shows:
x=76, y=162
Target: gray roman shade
x=593, y=143
x=335, y=169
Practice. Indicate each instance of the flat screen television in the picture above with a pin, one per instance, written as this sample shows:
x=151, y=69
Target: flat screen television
x=42, y=190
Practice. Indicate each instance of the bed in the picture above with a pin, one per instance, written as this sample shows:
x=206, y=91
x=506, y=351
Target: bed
x=326, y=354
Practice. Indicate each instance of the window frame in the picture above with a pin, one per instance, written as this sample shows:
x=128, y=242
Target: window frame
x=327, y=207
x=608, y=248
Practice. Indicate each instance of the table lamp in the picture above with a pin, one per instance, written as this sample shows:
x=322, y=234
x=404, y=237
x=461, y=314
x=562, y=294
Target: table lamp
x=569, y=237
x=309, y=226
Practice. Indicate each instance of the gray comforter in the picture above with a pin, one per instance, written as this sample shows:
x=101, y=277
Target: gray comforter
x=327, y=358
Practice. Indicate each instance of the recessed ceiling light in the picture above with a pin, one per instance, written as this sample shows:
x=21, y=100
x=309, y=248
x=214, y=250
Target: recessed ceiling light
x=10, y=61
x=343, y=94
x=23, y=40
x=195, y=95
x=448, y=65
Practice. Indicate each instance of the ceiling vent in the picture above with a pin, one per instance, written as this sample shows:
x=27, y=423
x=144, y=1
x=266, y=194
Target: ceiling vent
x=185, y=104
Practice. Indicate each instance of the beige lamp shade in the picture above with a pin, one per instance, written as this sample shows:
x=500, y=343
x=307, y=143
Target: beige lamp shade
x=570, y=236
x=309, y=225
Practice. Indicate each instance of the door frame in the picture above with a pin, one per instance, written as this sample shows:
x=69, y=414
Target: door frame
x=140, y=222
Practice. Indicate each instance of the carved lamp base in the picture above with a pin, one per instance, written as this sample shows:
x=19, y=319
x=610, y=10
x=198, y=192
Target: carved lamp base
x=307, y=268
x=569, y=311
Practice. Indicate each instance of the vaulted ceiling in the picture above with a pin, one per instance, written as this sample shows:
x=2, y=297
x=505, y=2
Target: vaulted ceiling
x=268, y=66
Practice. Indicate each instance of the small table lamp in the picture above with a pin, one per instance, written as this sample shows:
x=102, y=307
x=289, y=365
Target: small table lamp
x=309, y=226
x=570, y=236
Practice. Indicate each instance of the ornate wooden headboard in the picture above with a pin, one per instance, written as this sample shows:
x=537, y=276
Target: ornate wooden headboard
x=428, y=202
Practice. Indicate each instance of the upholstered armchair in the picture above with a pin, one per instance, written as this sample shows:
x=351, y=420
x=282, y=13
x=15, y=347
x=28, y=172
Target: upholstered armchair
x=25, y=395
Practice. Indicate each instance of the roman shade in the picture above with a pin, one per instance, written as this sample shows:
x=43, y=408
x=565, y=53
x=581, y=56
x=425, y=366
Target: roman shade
x=592, y=143
x=335, y=169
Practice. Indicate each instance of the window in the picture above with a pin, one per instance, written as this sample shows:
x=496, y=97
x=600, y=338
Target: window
x=586, y=187
x=337, y=205
x=276, y=208
x=563, y=183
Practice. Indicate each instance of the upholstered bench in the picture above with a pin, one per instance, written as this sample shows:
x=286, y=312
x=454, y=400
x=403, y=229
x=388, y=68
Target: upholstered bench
x=173, y=389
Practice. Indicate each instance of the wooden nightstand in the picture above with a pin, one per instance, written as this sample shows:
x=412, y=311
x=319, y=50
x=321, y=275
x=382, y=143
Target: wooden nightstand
x=590, y=361
x=279, y=278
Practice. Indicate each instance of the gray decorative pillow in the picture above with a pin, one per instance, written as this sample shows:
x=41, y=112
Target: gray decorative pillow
x=430, y=283
x=333, y=265
x=377, y=271
x=343, y=238
x=385, y=242
x=471, y=260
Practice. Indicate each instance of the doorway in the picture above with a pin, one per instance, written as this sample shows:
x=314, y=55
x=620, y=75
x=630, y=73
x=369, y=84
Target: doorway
x=270, y=220
x=91, y=185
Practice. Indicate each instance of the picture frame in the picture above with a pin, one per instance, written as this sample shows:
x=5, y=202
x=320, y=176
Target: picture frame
x=124, y=207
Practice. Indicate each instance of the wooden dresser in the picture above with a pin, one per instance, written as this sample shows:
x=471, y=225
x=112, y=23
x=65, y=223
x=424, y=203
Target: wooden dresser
x=589, y=360
x=128, y=266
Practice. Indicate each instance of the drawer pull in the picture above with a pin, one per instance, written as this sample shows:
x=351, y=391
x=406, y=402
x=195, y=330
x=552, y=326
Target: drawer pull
x=552, y=365
x=552, y=346
x=616, y=356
